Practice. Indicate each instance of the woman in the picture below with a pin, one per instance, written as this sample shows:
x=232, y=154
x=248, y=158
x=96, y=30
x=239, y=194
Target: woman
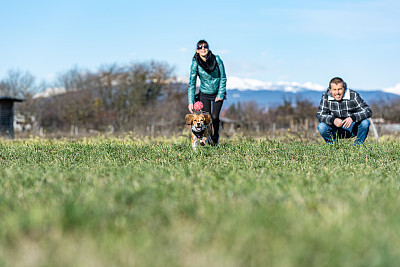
x=211, y=71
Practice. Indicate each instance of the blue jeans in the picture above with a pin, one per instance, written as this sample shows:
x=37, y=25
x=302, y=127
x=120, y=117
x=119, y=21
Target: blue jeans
x=331, y=133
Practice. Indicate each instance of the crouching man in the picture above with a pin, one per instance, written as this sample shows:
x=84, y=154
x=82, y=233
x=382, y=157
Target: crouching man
x=342, y=113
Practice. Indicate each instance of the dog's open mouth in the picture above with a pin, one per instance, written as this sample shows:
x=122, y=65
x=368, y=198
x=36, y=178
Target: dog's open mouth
x=197, y=129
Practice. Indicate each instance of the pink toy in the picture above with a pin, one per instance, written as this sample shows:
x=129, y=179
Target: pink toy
x=198, y=106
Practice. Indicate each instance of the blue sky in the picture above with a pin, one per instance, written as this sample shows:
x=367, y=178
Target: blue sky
x=271, y=41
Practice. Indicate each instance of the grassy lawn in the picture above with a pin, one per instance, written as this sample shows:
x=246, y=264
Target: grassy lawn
x=126, y=202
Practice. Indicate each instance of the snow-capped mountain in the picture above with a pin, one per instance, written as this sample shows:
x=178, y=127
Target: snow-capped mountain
x=245, y=84
x=393, y=90
x=269, y=94
x=252, y=84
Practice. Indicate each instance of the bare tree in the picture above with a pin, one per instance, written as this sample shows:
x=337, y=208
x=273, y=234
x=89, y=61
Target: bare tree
x=18, y=84
x=77, y=101
x=125, y=93
x=388, y=109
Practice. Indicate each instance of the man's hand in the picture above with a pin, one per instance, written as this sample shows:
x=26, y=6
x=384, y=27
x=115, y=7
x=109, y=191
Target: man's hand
x=338, y=122
x=347, y=122
x=190, y=107
x=218, y=99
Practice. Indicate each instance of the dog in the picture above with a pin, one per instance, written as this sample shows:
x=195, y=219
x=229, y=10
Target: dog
x=201, y=128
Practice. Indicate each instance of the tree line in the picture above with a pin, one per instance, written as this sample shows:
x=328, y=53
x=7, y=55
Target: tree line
x=250, y=116
x=120, y=97
x=141, y=97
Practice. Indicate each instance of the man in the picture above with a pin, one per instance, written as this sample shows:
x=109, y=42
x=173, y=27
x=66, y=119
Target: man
x=342, y=113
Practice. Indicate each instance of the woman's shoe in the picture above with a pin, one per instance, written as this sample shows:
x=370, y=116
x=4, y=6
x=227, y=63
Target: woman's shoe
x=215, y=140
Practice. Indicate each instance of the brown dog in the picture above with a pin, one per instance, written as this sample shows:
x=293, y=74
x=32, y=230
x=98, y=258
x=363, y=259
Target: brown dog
x=201, y=128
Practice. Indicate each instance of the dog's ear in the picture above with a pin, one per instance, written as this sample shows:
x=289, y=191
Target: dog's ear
x=207, y=118
x=189, y=119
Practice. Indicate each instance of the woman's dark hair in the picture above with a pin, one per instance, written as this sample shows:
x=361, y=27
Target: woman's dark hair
x=199, y=43
x=202, y=42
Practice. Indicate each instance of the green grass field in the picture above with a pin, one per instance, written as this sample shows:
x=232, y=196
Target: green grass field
x=126, y=202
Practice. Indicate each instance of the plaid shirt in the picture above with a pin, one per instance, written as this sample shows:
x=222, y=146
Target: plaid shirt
x=351, y=105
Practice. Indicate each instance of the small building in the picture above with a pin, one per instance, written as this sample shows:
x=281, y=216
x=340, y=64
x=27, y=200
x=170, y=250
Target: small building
x=7, y=115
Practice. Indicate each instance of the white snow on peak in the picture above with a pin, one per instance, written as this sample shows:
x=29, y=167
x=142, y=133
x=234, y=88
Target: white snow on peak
x=234, y=82
x=393, y=90
x=252, y=84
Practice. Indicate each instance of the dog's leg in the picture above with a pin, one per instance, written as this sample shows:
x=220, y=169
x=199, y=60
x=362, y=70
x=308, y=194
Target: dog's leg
x=194, y=142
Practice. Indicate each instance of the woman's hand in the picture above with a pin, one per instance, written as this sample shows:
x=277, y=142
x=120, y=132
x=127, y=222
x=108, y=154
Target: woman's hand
x=190, y=107
x=218, y=99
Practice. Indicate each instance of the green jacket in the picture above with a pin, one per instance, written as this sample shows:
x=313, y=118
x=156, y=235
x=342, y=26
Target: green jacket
x=209, y=83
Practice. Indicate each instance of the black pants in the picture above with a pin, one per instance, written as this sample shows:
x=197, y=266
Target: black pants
x=214, y=108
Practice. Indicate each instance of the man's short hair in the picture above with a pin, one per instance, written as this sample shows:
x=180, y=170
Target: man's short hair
x=338, y=80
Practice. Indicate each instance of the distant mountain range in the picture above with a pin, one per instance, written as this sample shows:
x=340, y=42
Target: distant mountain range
x=270, y=94
x=272, y=98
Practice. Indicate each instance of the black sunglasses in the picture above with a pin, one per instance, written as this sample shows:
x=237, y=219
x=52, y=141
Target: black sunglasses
x=202, y=46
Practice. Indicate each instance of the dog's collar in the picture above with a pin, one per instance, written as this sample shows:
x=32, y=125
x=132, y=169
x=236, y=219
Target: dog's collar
x=198, y=134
